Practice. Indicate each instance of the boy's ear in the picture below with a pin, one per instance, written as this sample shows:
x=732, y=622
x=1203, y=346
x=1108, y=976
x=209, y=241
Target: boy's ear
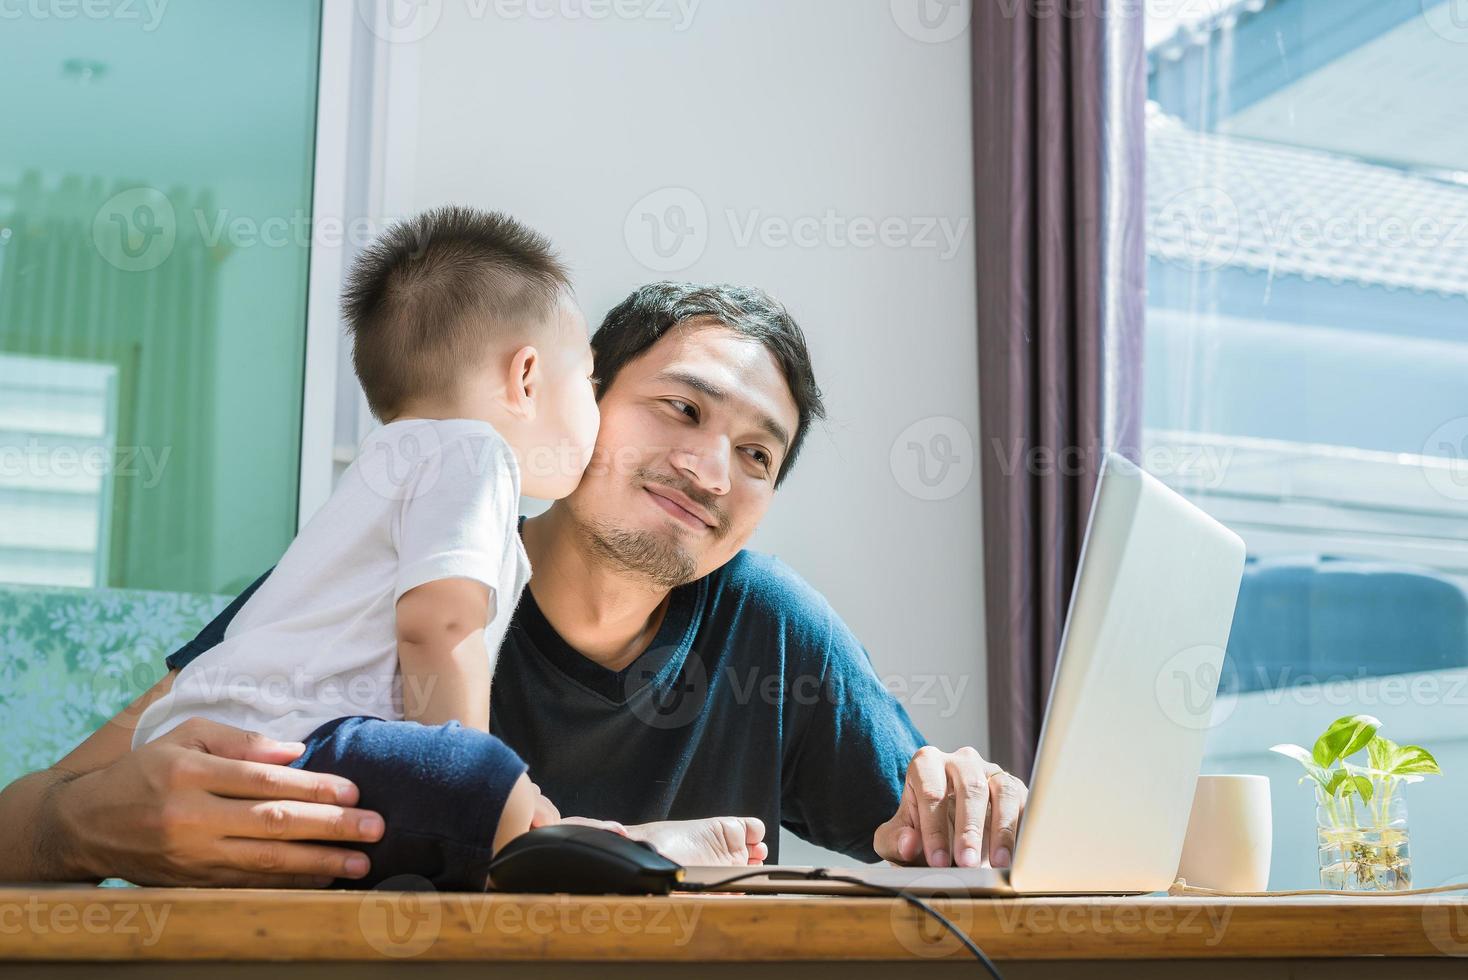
x=523, y=387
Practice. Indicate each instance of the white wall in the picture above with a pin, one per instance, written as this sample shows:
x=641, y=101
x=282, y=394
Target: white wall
x=764, y=111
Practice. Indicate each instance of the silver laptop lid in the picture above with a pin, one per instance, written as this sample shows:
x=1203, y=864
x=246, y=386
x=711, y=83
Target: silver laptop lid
x=1122, y=740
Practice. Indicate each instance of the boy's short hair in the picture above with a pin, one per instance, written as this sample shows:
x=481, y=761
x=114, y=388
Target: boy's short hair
x=425, y=299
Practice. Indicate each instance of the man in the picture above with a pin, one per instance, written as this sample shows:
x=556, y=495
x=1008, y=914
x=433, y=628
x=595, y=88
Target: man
x=654, y=671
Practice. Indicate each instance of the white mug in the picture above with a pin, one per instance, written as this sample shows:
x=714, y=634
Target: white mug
x=1230, y=835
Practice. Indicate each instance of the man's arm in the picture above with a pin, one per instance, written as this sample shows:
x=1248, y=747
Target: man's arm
x=27, y=806
x=861, y=778
x=27, y=813
x=851, y=744
x=860, y=751
x=205, y=804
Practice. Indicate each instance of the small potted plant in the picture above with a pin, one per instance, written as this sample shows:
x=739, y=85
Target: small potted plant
x=1361, y=811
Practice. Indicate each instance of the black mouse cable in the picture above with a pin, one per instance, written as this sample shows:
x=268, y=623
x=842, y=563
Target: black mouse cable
x=820, y=874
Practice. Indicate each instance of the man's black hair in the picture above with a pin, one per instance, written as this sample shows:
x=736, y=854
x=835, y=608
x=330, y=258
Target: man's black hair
x=642, y=319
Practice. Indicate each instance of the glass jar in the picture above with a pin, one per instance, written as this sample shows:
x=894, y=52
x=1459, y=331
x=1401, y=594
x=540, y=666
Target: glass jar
x=1364, y=844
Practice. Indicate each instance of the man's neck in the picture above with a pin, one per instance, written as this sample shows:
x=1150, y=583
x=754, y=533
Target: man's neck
x=607, y=618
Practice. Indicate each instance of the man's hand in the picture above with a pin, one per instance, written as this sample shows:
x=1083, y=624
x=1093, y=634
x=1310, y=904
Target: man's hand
x=956, y=809
x=207, y=804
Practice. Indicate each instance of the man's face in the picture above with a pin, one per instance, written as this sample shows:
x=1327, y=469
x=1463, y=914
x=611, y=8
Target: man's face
x=693, y=435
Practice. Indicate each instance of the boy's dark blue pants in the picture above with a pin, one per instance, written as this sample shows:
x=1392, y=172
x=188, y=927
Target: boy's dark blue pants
x=439, y=788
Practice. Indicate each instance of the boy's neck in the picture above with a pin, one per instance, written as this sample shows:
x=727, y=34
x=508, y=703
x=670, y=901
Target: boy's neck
x=439, y=410
x=607, y=618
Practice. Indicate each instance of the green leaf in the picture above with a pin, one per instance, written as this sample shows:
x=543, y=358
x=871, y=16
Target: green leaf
x=1303, y=757
x=1414, y=760
x=1296, y=752
x=1380, y=752
x=1345, y=736
x=1401, y=760
x=1342, y=784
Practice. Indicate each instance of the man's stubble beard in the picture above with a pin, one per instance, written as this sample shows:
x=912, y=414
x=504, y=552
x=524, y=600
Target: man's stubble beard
x=656, y=558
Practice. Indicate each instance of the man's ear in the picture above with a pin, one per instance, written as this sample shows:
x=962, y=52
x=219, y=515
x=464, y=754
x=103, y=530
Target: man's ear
x=523, y=386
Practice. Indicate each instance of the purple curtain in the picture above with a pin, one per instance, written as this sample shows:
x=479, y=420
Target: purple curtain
x=1059, y=94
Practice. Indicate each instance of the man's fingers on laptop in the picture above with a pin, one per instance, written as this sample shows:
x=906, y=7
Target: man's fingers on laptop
x=291, y=858
x=947, y=801
x=970, y=787
x=898, y=840
x=927, y=780
x=909, y=844
x=909, y=836
x=1007, y=797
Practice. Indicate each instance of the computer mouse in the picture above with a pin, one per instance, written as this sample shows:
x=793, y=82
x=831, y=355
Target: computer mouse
x=581, y=860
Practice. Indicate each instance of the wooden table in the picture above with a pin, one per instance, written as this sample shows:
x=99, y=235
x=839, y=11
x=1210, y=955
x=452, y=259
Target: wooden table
x=70, y=931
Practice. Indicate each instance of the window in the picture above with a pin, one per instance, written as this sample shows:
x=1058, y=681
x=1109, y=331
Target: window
x=155, y=207
x=1307, y=345
x=57, y=458
x=154, y=234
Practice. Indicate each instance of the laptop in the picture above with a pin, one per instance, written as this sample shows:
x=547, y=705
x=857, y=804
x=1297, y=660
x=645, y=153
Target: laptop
x=1130, y=705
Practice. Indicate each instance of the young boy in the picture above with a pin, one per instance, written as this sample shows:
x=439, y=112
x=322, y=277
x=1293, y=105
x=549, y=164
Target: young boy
x=374, y=639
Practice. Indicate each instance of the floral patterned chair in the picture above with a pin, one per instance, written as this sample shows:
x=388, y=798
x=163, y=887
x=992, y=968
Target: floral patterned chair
x=70, y=658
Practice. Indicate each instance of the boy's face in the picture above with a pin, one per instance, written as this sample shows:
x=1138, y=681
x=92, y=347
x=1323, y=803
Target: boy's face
x=566, y=416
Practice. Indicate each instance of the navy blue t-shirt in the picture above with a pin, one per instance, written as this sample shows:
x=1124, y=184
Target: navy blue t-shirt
x=754, y=699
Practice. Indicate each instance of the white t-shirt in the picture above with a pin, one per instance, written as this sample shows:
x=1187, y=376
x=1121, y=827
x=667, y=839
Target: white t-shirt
x=424, y=500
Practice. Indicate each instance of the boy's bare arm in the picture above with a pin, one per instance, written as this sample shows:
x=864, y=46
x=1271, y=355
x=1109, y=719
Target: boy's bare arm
x=441, y=653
